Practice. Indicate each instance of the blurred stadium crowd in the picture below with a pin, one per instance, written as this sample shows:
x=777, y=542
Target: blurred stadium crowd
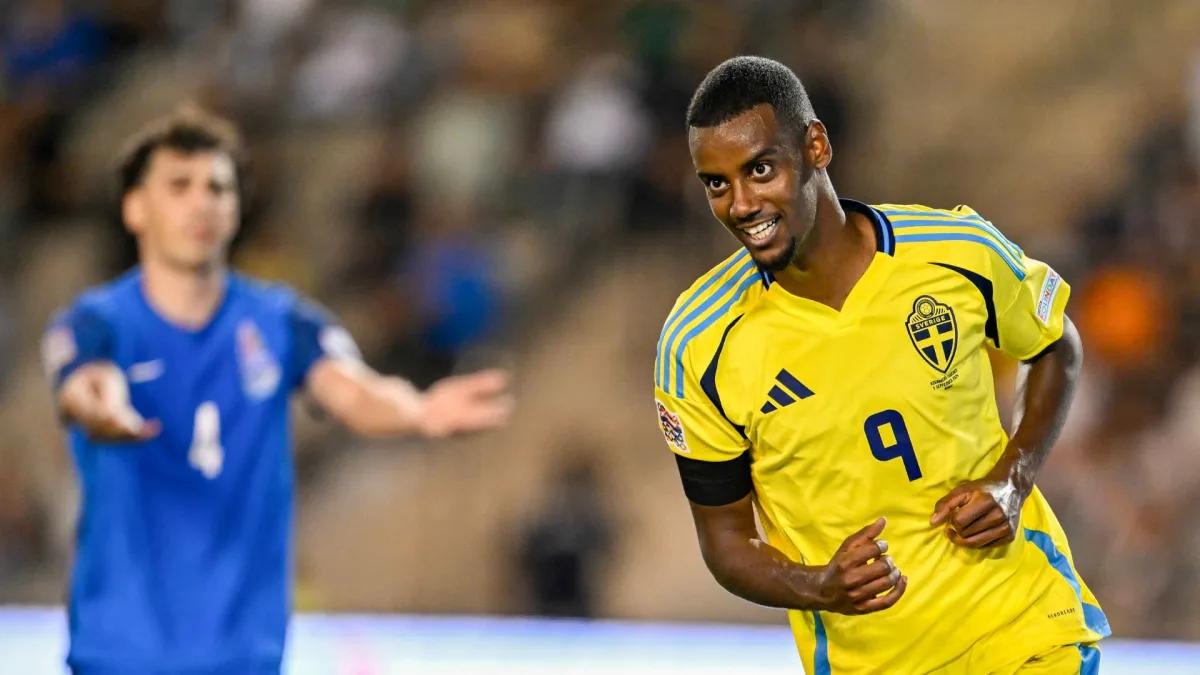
x=473, y=182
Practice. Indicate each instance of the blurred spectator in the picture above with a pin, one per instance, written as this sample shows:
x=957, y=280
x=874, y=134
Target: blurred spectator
x=50, y=50
x=660, y=191
x=448, y=283
x=384, y=218
x=564, y=547
x=9, y=345
x=358, y=53
x=22, y=529
x=597, y=134
x=131, y=25
x=250, y=47
x=1125, y=316
x=1193, y=124
x=467, y=143
x=596, y=124
x=658, y=32
x=12, y=185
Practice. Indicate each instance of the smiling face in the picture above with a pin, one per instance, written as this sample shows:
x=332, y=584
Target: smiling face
x=760, y=181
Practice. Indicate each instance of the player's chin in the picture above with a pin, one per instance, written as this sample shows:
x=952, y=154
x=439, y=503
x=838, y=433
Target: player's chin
x=200, y=258
x=774, y=257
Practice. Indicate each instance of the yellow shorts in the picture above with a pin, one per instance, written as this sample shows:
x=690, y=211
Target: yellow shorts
x=1064, y=660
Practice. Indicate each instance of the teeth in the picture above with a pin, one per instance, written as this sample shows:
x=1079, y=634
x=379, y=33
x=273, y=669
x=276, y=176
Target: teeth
x=762, y=231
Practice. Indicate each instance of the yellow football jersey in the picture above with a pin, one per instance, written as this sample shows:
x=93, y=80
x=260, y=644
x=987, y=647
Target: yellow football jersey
x=880, y=409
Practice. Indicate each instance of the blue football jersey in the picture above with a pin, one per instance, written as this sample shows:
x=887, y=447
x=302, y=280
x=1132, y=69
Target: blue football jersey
x=183, y=553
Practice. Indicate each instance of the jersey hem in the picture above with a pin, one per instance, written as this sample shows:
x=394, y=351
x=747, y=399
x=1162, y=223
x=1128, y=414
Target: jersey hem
x=1027, y=648
x=1030, y=648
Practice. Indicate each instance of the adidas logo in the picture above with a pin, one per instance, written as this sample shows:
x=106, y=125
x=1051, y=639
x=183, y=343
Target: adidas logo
x=787, y=390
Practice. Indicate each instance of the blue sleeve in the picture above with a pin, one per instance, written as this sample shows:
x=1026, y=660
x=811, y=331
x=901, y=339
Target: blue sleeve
x=316, y=334
x=75, y=337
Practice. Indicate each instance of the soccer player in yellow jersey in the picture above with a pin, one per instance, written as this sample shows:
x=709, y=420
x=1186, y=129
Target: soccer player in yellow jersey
x=833, y=376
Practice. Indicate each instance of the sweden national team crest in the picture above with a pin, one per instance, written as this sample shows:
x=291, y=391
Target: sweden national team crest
x=934, y=332
x=672, y=428
x=260, y=370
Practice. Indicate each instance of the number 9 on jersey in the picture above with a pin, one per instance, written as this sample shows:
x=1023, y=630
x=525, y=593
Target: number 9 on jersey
x=900, y=448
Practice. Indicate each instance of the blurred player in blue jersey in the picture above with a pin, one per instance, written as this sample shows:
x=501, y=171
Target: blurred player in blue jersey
x=174, y=381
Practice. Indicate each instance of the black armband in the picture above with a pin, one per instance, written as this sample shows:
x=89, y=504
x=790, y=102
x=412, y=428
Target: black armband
x=715, y=483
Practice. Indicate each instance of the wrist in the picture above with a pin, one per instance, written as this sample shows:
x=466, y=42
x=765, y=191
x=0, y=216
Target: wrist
x=1013, y=470
x=808, y=586
x=1002, y=471
x=410, y=403
x=417, y=409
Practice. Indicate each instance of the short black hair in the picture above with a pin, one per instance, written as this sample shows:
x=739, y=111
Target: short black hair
x=189, y=129
x=743, y=82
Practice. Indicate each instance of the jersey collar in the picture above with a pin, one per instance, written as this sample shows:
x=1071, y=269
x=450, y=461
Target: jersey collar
x=136, y=278
x=885, y=237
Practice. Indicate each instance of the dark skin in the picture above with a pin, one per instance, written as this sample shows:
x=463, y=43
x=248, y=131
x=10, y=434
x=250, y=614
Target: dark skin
x=754, y=175
x=986, y=513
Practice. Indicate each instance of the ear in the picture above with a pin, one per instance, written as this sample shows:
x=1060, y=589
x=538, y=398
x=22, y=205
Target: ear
x=816, y=144
x=133, y=210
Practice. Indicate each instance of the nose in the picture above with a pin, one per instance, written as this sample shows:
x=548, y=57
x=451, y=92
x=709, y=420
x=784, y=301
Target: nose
x=206, y=200
x=745, y=205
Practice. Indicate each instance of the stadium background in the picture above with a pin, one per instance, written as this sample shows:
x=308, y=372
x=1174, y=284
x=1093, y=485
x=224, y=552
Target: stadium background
x=507, y=182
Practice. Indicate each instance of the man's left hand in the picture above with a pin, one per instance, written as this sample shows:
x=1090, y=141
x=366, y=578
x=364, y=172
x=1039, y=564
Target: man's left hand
x=464, y=404
x=980, y=514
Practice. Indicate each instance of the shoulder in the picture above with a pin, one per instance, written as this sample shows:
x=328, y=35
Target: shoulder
x=267, y=295
x=101, y=303
x=960, y=237
x=86, y=327
x=314, y=328
x=701, y=315
x=726, y=282
x=277, y=298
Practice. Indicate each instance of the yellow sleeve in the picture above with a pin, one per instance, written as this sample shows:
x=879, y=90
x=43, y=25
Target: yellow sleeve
x=692, y=424
x=1031, y=301
x=1026, y=298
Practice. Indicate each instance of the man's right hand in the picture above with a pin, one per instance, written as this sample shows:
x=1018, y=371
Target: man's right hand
x=96, y=397
x=860, y=571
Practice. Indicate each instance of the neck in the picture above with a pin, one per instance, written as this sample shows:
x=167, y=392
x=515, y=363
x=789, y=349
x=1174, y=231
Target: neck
x=186, y=297
x=834, y=255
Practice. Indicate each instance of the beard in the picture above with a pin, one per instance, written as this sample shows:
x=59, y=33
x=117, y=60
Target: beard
x=779, y=261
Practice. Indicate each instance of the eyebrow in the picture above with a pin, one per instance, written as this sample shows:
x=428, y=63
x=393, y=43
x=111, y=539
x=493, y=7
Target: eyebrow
x=758, y=157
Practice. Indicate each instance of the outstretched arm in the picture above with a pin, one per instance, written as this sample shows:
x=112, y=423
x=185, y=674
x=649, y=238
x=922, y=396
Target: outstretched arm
x=90, y=390
x=372, y=404
x=327, y=362
x=96, y=397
